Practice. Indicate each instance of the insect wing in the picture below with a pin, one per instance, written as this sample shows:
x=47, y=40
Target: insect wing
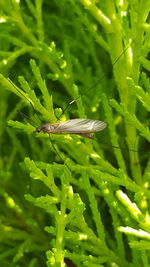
x=81, y=126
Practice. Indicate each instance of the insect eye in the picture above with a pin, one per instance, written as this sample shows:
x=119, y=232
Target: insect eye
x=39, y=129
x=42, y=128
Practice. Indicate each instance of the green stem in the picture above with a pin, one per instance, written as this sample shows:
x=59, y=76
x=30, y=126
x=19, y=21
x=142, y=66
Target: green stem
x=61, y=223
x=98, y=15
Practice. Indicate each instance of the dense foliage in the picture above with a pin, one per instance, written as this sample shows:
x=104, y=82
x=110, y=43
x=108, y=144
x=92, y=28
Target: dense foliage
x=66, y=199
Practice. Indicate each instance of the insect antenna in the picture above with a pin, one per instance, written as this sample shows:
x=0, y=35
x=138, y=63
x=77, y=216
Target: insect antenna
x=28, y=118
x=25, y=116
x=33, y=122
x=97, y=82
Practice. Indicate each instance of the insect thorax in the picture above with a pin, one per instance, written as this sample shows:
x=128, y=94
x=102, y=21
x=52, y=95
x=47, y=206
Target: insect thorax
x=45, y=128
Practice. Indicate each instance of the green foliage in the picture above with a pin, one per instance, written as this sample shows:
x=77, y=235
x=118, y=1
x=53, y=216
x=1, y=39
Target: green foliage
x=70, y=198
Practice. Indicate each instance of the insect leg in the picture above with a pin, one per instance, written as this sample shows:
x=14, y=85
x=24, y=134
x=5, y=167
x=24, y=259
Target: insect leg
x=97, y=82
x=54, y=148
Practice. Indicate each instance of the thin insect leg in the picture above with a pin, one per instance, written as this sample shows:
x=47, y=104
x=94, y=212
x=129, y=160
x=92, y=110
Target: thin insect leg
x=97, y=82
x=70, y=103
x=123, y=148
x=54, y=148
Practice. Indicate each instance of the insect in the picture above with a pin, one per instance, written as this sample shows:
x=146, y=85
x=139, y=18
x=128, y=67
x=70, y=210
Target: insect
x=83, y=127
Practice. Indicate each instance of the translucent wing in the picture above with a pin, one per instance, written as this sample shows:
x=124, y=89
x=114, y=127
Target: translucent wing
x=81, y=126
